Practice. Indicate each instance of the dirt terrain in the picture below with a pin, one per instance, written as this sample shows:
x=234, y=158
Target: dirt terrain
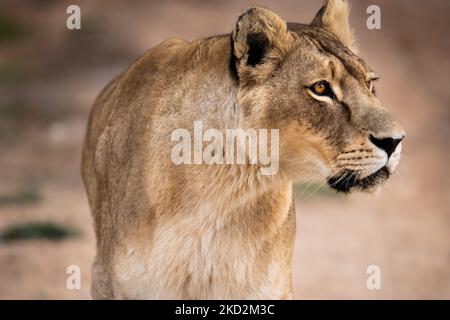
x=49, y=77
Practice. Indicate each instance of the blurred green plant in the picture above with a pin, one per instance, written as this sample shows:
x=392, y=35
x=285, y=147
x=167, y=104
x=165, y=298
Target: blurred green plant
x=37, y=231
x=15, y=111
x=11, y=71
x=22, y=197
x=31, y=113
x=308, y=190
x=11, y=29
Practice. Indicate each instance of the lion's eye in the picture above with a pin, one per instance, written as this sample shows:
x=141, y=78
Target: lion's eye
x=322, y=88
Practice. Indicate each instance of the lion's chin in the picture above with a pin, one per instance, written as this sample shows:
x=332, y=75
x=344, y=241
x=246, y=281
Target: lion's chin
x=348, y=181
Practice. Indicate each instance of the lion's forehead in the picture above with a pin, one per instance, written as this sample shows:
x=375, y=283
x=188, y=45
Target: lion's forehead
x=328, y=44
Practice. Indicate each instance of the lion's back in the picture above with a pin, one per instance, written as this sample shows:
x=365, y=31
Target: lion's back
x=121, y=115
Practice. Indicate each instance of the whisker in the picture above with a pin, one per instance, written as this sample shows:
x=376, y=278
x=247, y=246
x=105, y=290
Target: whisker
x=331, y=167
x=306, y=190
x=315, y=190
x=398, y=173
x=338, y=180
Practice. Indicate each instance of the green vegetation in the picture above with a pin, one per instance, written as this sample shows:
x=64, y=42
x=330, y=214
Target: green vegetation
x=11, y=29
x=28, y=113
x=11, y=71
x=36, y=231
x=21, y=198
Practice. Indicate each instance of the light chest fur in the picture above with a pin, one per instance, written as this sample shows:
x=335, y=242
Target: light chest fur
x=204, y=255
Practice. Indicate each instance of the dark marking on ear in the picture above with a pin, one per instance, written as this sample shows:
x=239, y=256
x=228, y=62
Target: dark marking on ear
x=257, y=48
x=317, y=21
x=233, y=61
x=243, y=15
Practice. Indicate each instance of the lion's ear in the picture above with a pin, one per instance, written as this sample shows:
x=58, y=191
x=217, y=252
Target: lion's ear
x=334, y=17
x=260, y=39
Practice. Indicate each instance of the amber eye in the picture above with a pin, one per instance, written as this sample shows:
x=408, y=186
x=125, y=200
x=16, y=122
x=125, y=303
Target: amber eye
x=322, y=88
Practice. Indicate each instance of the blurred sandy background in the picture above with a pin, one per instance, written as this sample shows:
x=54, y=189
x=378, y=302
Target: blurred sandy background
x=49, y=77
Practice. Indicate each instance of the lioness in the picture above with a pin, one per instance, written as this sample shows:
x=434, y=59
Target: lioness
x=225, y=231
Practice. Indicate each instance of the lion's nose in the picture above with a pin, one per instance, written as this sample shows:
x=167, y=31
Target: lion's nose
x=387, y=144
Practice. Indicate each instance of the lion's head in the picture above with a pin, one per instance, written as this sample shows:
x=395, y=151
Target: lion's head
x=308, y=81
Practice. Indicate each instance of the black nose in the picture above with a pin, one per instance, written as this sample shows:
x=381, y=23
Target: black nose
x=387, y=144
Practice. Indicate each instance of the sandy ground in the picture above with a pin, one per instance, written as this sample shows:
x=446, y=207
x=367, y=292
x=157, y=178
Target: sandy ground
x=405, y=229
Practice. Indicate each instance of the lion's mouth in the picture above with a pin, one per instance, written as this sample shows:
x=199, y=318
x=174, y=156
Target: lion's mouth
x=349, y=180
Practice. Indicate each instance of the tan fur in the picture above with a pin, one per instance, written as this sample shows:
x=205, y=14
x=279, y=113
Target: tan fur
x=219, y=231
